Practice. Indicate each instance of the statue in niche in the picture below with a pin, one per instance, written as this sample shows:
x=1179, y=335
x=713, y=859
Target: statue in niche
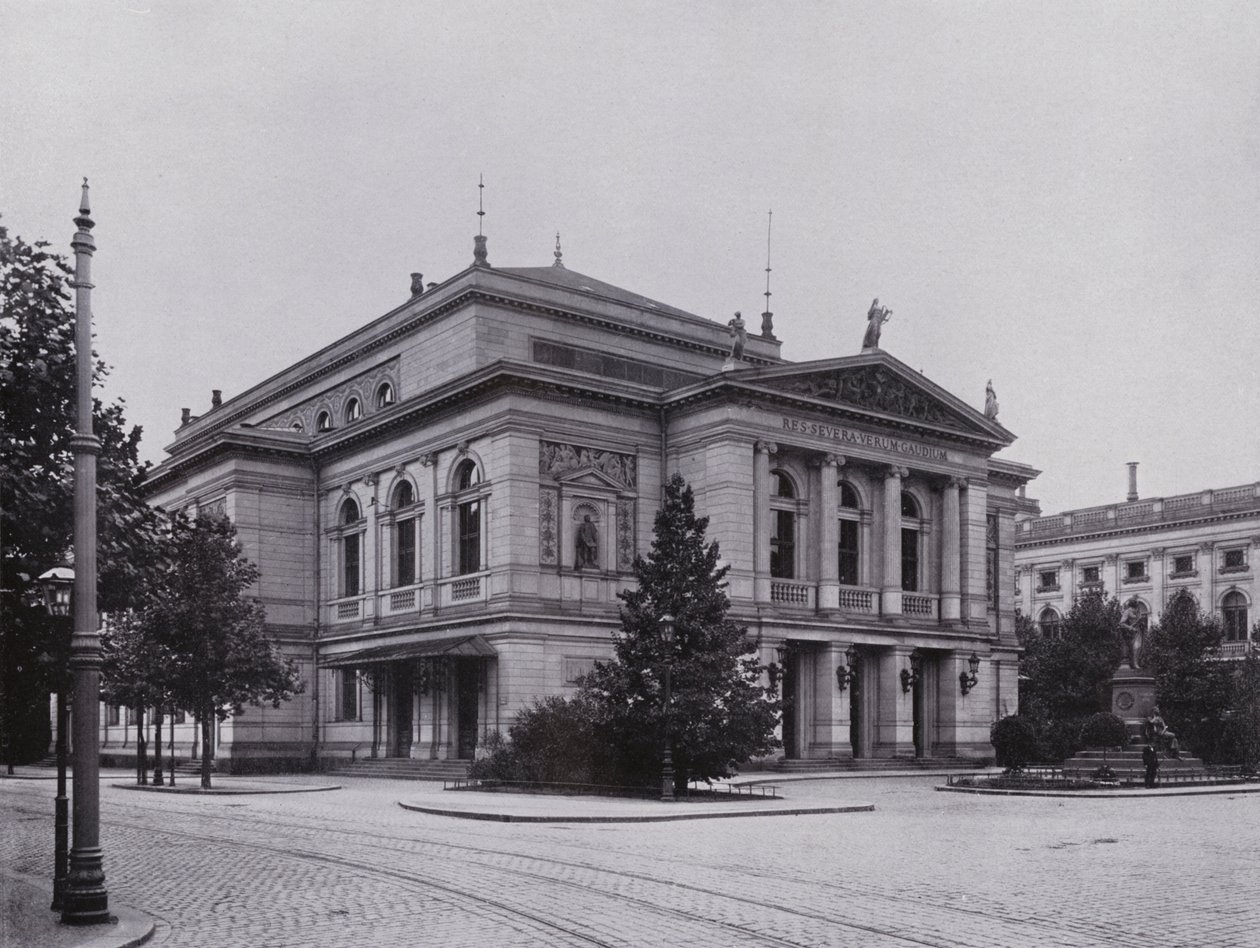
x=739, y=335
x=990, y=402
x=876, y=316
x=586, y=554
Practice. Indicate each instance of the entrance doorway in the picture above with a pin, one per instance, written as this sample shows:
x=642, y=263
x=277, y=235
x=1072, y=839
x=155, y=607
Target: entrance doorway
x=468, y=676
x=400, y=711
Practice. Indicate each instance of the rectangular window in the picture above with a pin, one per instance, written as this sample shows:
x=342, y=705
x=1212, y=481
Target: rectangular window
x=1183, y=563
x=469, y=537
x=783, y=545
x=1091, y=575
x=405, y=555
x=1135, y=569
x=848, y=552
x=1235, y=560
x=1047, y=579
x=350, y=565
x=909, y=560
x=348, y=695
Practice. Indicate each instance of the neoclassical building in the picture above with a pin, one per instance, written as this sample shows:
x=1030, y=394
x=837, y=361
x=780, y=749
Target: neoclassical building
x=445, y=503
x=1146, y=548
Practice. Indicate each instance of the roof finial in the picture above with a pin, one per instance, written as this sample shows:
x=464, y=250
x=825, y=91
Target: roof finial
x=767, y=318
x=479, y=242
x=84, y=220
x=558, y=255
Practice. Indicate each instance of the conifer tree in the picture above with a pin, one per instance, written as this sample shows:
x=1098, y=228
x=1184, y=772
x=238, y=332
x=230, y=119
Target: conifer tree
x=720, y=714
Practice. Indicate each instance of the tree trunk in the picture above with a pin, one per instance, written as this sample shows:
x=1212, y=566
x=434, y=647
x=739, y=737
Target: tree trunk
x=142, y=759
x=207, y=735
x=157, y=746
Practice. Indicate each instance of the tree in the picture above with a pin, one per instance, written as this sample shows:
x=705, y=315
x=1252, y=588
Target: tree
x=720, y=714
x=1104, y=730
x=1245, y=720
x=219, y=656
x=1193, y=687
x=37, y=420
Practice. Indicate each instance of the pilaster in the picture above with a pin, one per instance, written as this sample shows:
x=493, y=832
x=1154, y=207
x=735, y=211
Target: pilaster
x=894, y=725
x=761, y=519
x=831, y=706
x=951, y=551
x=890, y=598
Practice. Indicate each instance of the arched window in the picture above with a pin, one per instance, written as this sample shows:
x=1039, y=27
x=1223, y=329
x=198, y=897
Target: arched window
x=296, y=426
x=354, y=410
x=1050, y=623
x=403, y=566
x=909, y=542
x=782, y=526
x=384, y=395
x=404, y=496
x=323, y=421
x=468, y=552
x=351, y=549
x=849, y=528
x=1234, y=612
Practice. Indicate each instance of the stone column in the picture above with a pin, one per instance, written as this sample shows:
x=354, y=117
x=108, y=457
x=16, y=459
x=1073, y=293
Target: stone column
x=761, y=519
x=829, y=557
x=429, y=541
x=894, y=724
x=1159, y=573
x=891, y=581
x=951, y=552
x=831, y=705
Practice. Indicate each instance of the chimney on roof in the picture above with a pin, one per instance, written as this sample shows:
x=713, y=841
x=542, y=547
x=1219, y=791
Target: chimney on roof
x=1133, y=493
x=216, y=398
x=185, y=416
x=417, y=284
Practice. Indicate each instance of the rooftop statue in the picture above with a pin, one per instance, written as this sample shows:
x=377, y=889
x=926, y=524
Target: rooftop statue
x=990, y=402
x=876, y=316
x=739, y=335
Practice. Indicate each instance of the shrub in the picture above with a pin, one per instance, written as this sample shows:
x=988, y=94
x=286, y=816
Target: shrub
x=1104, y=730
x=1015, y=740
x=553, y=741
x=1059, y=739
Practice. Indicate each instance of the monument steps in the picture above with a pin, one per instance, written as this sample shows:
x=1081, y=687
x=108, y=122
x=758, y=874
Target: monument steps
x=403, y=768
x=875, y=764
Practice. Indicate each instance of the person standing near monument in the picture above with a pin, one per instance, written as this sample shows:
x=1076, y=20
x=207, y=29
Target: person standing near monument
x=1150, y=760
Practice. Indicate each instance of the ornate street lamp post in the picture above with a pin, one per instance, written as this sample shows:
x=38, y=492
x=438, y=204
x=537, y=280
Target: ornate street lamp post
x=667, y=758
x=86, y=901
x=57, y=584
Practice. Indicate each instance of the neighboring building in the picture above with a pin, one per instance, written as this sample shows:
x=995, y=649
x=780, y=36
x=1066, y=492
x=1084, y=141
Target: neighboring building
x=445, y=504
x=1206, y=542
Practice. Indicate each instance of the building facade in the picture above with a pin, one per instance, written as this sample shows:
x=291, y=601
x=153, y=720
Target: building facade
x=1146, y=549
x=445, y=504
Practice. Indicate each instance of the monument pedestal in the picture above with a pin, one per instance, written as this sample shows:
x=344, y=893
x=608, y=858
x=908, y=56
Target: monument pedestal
x=1132, y=698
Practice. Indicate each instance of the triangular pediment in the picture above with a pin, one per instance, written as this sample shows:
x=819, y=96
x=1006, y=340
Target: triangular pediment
x=589, y=477
x=877, y=384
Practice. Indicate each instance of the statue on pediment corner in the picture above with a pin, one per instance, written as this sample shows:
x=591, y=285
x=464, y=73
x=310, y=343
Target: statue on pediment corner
x=739, y=335
x=876, y=316
x=990, y=402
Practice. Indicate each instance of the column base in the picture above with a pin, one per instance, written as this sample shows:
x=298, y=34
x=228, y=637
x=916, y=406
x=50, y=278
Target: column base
x=85, y=901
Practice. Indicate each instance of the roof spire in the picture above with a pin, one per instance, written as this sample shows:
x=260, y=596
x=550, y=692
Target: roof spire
x=558, y=255
x=479, y=242
x=84, y=220
x=767, y=318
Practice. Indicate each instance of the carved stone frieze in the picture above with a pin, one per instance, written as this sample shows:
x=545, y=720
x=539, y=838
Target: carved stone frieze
x=556, y=459
x=548, y=526
x=873, y=387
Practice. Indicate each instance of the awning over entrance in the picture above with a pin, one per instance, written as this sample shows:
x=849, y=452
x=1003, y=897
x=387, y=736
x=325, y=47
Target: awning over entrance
x=469, y=646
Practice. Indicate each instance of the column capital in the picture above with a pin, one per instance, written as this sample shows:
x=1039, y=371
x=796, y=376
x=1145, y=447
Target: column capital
x=956, y=483
x=428, y=460
x=1067, y=564
x=766, y=447
x=829, y=460
x=1157, y=551
x=894, y=470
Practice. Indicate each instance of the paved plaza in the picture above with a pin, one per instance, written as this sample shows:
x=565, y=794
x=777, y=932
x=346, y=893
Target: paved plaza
x=351, y=867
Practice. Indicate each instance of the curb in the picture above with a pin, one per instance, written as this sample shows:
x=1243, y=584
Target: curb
x=222, y=791
x=663, y=818
x=1100, y=794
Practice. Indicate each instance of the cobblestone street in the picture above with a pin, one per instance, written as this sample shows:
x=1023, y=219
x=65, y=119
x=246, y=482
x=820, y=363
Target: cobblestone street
x=349, y=867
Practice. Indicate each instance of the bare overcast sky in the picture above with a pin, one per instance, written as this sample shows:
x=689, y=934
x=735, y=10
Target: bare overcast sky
x=1061, y=197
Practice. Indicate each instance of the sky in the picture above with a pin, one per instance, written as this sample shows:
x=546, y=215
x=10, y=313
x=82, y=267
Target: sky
x=1064, y=198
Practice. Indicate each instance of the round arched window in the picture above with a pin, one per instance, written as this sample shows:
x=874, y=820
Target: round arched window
x=467, y=475
x=403, y=495
x=384, y=395
x=349, y=512
x=323, y=421
x=1050, y=623
x=354, y=410
x=909, y=506
x=296, y=426
x=848, y=496
x=781, y=486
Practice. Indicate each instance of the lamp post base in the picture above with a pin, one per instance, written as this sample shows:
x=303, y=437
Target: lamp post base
x=85, y=901
x=667, y=777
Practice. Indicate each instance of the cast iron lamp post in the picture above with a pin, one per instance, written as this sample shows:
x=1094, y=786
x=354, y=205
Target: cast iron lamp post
x=667, y=758
x=57, y=585
x=86, y=900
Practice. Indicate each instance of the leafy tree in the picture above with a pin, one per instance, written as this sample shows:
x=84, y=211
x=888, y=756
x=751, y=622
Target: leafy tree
x=212, y=636
x=37, y=420
x=720, y=715
x=1193, y=687
x=1014, y=738
x=134, y=674
x=1244, y=722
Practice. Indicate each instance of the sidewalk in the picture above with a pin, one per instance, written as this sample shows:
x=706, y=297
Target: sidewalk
x=26, y=920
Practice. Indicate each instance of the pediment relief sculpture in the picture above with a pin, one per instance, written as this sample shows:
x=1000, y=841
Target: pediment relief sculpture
x=872, y=387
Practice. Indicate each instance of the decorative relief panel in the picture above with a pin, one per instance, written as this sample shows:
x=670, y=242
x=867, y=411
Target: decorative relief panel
x=555, y=460
x=213, y=508
x=548, y=526
x=362, y=387
x=873, y=387
x=625, y=535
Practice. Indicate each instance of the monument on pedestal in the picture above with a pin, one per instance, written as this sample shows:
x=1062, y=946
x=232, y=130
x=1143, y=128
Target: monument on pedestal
x=1132, y=686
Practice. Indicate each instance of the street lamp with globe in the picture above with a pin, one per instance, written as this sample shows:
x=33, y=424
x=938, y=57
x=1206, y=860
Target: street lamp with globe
x=57, y=586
